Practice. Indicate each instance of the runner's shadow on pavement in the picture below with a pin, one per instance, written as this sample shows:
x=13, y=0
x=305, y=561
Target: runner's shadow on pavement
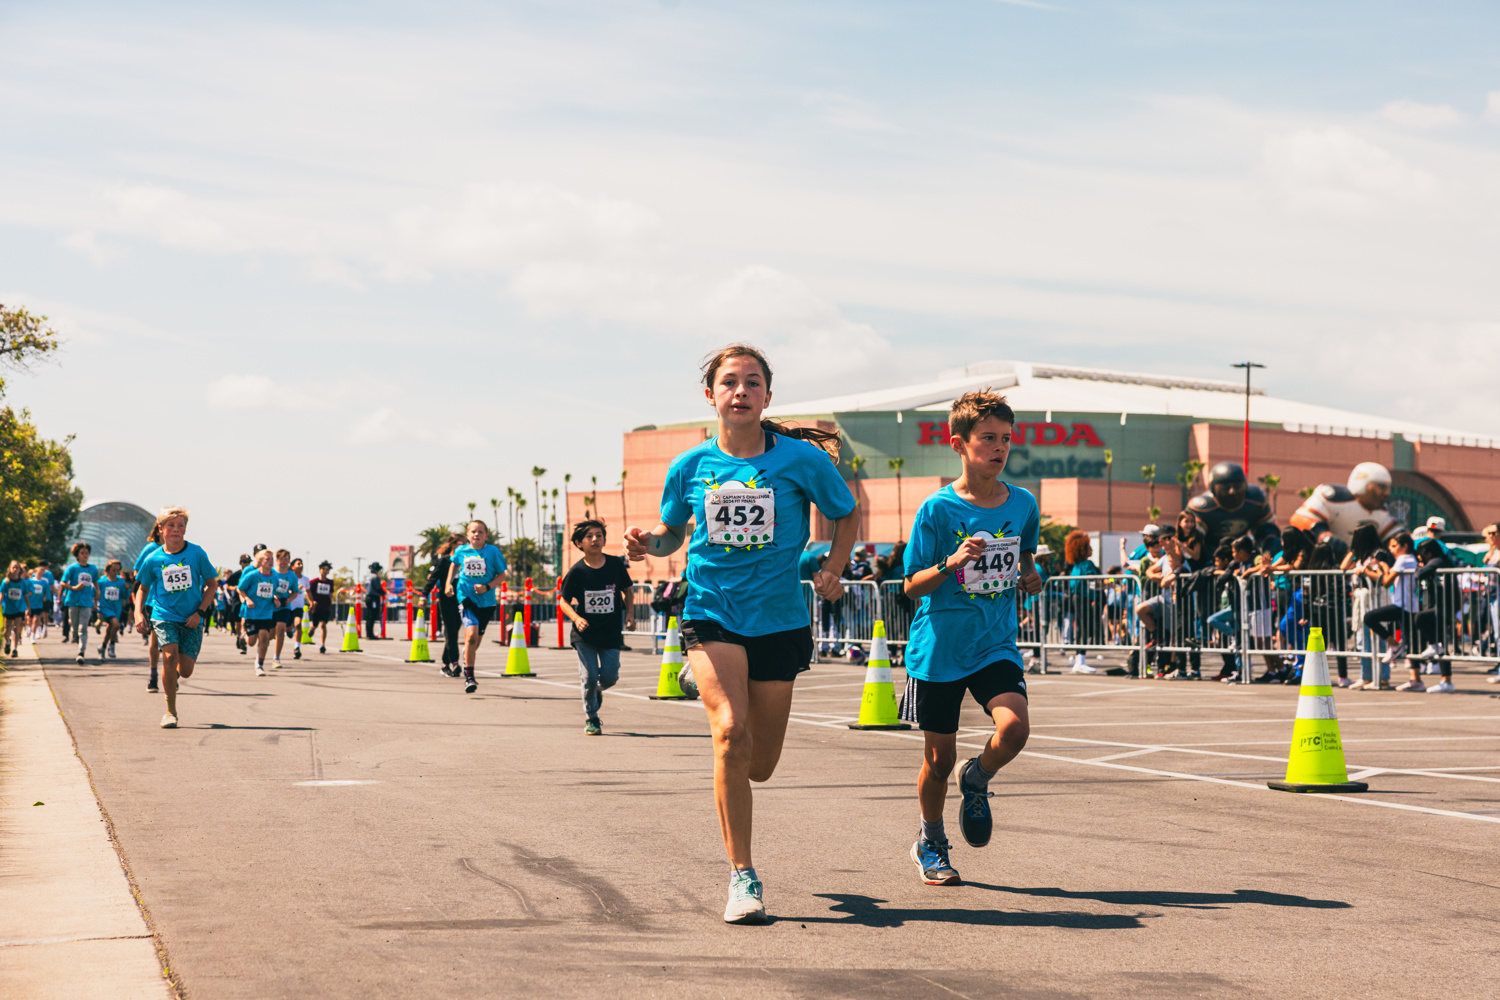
x=279, y=729
x=1178, y=900
x=663, y=736
x=866, y=911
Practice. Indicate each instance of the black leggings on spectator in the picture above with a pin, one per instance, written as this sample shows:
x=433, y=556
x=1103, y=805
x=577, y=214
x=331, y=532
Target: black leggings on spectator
x=1423, y=628
x=448, y=608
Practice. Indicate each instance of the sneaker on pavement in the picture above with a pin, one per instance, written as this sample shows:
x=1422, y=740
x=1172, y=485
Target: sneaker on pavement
x=169, y=721
x=1444, y=687
x=322, y=649
x=974, y=817
x=1495, y=679
x=1081, y=666
x=297, y=653
x=112, y=654
x=79, y=659
x=470, y=684
x=151, y=687
x=1411, y=686
x=592, y=728
x=260, y=670
x=276, y=663
x=746, y=905
x=932, y=863
x=1343, y=682
x=450, y=670
x=1432, y=652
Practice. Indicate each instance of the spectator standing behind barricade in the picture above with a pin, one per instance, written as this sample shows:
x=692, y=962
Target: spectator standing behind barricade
x=1152, y=611
x=1439, y=597
x=1083, y=612
x=1399, y=578
x=1192, y=594
x=1326, y=604
x=1226, y=619
x=1366, y=562
x=1492, y=598
x=444, y=606
x=831, y=617
x=374, y=598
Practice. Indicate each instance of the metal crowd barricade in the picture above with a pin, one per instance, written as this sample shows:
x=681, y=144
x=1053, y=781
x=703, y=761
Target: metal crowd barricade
x=1081, y=613
x=849, y=621
x=1468, y=605
x=645, y=619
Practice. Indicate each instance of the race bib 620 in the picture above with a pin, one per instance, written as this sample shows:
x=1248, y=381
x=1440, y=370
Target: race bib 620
x=996, y=569
x=599, y=602
x=740, y=517
x=175, y=579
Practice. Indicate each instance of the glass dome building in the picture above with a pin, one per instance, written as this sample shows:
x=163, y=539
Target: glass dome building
x=114, y=529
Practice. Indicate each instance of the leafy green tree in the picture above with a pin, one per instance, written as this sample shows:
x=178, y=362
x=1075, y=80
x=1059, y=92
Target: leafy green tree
x=37, y=496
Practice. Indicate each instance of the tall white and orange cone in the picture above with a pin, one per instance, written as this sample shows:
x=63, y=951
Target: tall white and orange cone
x=1316, y=760
x=877, y=706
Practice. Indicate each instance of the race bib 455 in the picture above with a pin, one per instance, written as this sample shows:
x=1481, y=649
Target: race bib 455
x=175, y=579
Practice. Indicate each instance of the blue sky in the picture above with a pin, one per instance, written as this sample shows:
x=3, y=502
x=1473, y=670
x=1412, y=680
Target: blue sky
x=328, y=271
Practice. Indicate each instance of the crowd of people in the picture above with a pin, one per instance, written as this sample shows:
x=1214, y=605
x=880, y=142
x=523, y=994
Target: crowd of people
x=972, y=574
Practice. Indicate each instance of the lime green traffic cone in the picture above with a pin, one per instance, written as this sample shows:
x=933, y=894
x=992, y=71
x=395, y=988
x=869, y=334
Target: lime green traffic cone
x=516, y=662
x=877, y=707
x=667, y=687
x=1316, y=761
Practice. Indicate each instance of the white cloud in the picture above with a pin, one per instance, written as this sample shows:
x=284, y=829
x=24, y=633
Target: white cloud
x=851, y=113
x=390, y=426
x=1332, y=168
x=87, y=244
x=1492, y=105
x=1411, y=114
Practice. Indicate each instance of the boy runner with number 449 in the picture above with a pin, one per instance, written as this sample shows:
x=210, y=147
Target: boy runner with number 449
x=320, y=591
x=179, y=581
x=972, y=544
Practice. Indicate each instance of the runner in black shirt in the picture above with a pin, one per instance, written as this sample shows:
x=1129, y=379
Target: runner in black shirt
x=320, y=591
x=594, y=593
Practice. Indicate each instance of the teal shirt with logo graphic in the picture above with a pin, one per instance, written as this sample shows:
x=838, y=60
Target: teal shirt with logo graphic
x=74, y=575
x=176, y=582
x=752, y=524
x=111, y=595
x=969, y=622
x=260, y=588
x=477, y=566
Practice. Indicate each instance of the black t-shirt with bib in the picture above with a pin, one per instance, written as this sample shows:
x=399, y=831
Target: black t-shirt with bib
x=597, y=596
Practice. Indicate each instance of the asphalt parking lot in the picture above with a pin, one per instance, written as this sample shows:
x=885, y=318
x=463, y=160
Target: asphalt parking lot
x=355, y=826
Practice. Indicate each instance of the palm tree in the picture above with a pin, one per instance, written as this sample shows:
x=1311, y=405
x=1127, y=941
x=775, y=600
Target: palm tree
x=472, y=505
x=495, y=509
x=1109, y=489
x=432, y=540
x=623, y=515
x=537, y=472
x=895, y=464
x=594, y=494
x=1190, y=470
x=1148, y=473
x=1270, y=481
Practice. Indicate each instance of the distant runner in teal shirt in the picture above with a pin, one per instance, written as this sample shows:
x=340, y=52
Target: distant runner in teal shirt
x=473, y=577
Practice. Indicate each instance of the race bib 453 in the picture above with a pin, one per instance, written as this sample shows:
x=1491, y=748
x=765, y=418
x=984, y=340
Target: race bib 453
x=475, y=566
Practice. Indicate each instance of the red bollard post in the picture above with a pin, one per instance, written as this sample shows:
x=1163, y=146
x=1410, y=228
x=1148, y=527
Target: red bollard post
x=504, y=618
x=408, y=611
x=526, y=611
x=359, y=612
x=557, y=602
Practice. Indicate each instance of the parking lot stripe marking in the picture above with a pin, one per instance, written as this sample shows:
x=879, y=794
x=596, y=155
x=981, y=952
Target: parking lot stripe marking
x=1129, y=753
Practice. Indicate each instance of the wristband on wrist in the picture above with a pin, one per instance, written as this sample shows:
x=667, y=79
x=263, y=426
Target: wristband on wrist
x=942, y=568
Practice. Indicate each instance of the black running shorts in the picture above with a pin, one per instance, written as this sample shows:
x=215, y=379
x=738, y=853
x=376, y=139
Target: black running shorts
x=322, y=617
x=777, y=656
x=255, y=625
x=282, y=616
x=934, y=706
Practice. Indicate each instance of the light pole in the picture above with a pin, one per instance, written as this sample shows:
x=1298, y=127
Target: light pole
x=1248, y=366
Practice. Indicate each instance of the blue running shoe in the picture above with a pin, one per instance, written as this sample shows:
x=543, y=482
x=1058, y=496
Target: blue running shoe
x=746, y=905
x=932, y=863
x=974, y=817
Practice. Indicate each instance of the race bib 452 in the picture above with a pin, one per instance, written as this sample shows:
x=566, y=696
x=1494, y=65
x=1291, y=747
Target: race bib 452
x=740, y=517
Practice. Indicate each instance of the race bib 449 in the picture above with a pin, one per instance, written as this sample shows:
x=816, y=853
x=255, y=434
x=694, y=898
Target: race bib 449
x=740, y=517
x=996, y=569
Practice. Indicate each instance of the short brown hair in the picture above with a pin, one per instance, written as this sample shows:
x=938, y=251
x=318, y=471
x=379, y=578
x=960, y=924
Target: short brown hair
x=970, y=408
x=283, y=554
x=582, y=528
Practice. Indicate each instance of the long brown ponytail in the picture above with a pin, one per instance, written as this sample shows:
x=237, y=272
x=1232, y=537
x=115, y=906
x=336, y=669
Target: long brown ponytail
x=829, y=441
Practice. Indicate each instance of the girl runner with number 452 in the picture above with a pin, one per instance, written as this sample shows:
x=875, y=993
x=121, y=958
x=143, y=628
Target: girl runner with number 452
x=745, y=624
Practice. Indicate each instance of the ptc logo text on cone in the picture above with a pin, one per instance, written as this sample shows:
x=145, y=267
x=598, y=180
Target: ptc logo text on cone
x=1316, y=760
x=351, y=635
x=419, y=651
x=517, y=664
x=667, y=687
x=877, y=706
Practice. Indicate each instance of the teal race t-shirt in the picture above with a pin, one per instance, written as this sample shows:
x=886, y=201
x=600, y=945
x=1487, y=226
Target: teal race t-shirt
x=261, y=589
x=111, y=593
x=37, y=592
x=13, y=594
x=74, y=575
x=752, y=519
x=969, y=622
x=477, y=566
x=176, y=582
x=286, y=586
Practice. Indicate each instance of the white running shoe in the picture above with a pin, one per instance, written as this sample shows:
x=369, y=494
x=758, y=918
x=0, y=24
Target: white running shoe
x=169, y=721
x=1443, y=687
x=1394, y=653
x=1411, y=686
x=1344, y=682
x=276, y=663
x=260, y=670
x=745, y=903
x=1081, y=666
x=1492, y=679
x=1432, y=652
